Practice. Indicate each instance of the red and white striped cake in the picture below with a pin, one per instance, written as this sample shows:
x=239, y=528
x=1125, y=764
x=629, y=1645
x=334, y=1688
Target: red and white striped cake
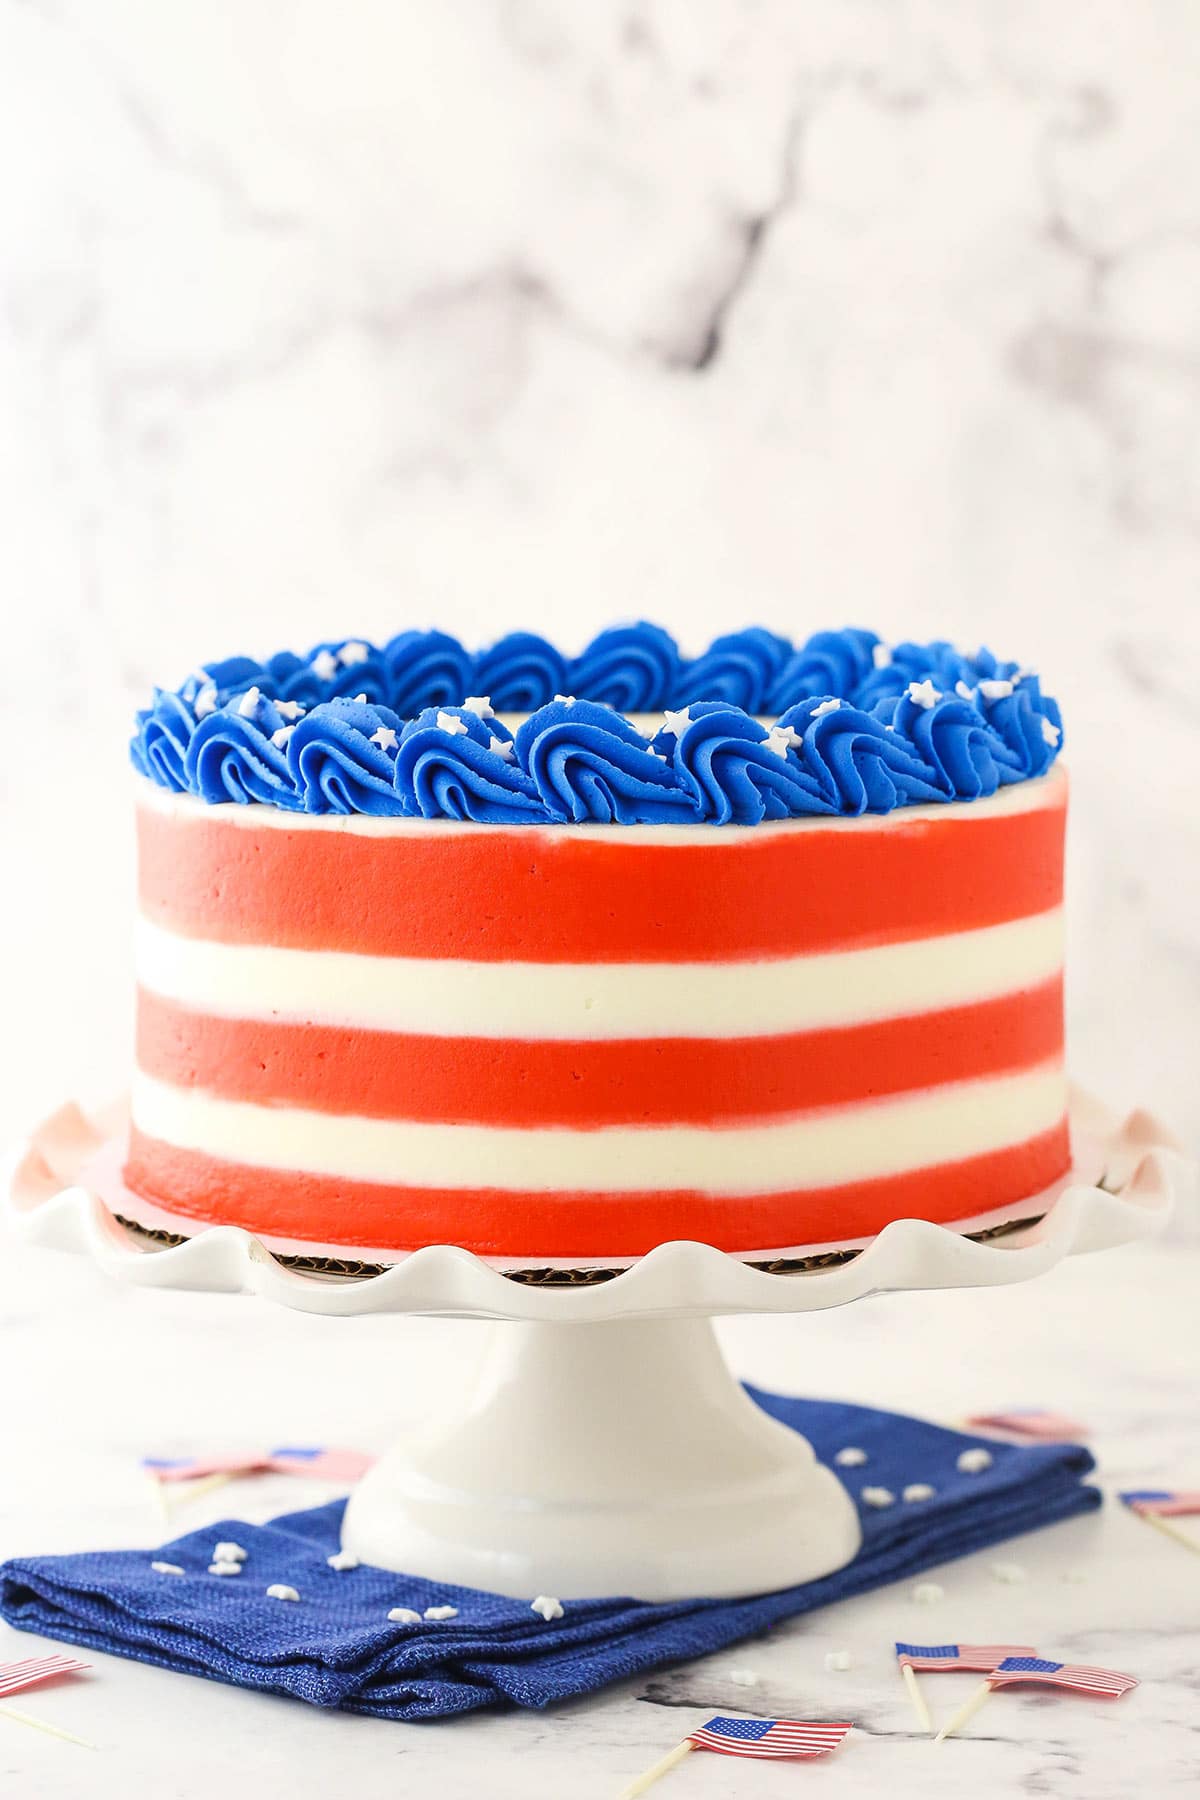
x=581, y=1041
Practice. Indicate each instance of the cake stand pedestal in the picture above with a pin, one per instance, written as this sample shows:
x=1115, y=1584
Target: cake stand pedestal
x=603, y=1447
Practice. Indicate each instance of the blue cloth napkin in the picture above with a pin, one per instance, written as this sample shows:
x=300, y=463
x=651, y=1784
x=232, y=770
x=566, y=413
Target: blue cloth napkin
x=336, y=1647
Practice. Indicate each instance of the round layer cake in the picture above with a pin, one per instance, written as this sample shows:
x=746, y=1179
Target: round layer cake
x=762, y=949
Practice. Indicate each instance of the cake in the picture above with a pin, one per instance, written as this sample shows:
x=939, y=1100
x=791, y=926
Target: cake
x=561, y=959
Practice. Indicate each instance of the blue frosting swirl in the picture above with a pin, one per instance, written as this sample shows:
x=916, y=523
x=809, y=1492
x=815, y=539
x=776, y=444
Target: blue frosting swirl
x=589, y=763
x=862, y=726
x=521, y=672
x=452, y=764
x=632, y=667
x=741, y=668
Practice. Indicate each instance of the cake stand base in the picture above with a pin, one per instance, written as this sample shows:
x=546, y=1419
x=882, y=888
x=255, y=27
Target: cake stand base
x=604, y=1459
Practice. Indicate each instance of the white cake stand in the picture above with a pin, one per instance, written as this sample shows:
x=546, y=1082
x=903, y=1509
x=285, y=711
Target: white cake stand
x=603, y=1447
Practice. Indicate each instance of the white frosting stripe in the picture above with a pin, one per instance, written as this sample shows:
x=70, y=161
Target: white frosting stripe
x=447, y=998
x=845, y=1144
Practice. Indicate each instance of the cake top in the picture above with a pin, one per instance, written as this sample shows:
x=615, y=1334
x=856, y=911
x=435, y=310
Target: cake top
x=631, y=732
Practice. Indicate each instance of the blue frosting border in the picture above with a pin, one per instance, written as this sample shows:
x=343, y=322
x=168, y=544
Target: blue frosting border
x=402, y=730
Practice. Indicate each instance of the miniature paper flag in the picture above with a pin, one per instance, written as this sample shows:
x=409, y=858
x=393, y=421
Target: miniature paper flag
x=17, y=1675
x=1016, y=1671
x=982, y=1658
x=1021, y=1671
x=320, y=1463
x=1032, y=1422
x=767, y=1737
x=1162, y=1503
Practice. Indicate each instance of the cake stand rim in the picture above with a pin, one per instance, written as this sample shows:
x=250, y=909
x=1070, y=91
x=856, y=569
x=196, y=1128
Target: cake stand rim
x=675, y=1279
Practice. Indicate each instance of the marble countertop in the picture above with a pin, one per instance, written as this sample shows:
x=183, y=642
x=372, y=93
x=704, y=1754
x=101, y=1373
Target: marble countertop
x=106, y=1372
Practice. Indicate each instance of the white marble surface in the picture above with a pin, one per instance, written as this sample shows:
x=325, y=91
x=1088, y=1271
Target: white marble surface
x=318, y=319
x=107, y=1372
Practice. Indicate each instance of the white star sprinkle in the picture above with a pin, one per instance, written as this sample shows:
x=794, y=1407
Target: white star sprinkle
x=547, y=1606
x=918, y=1490
x=225, y=1568
x=928, y=1593
x=162, y=1568
x=441, y=1612
x=480, y=705
x=451, y=724
x=248, y=704
x=352, y=653
x=324, y=666
x=404, y=1615
x=279, y=1590
x=877, y=1496
x=995, y=690
x=781, y=738
x=826, y=706
x=290, y=709
x=361, y=700
x=385, y=737
x=923, y=693
x=279, y=738
x=1050, y=733
x=851, y=1457
x=205, y=701
x=342, y=1559
x=881, y=656
x=963, y=691
x=974, y=1461
x=743, y=1677
x=501, y=747
x=836, y=1660
x=564, y=699
x=677, y=722
x=227, y=1552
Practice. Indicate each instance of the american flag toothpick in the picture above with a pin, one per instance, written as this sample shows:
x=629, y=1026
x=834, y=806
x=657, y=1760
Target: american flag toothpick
x=1036, y=1422
x=776, y=1738
x=1159, y=1506
x=204, y=1473
x=15, y=1677
x=1036, y=1671
x=939, y=1658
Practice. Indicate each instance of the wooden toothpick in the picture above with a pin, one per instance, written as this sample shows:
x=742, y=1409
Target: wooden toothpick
x=1170, y=1529
x=193, y=1490
x=24, y=1718
x=650, y=1776
x=965, y=1712
x=917, y=1698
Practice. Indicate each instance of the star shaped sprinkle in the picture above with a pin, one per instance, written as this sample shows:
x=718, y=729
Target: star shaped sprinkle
x=881, y=656
x=851, y=1457
x=279, y=1590
x=248, y=704
x=974, y=1461
x=1050, y=733
x=225, y=1568
x=385, y=737
x=205, y=701
x=451, y=724
x=227, y=1552
x=781, y=738
x=353, y=652
x=441, y=1612
x=826, y=706
x=677, y=722
x=918, y=1490
x=995, y=690
x=963, y=691
x=325, y=665
x=564, y=699
x=547, y=1606
x=877, y=1496
x=290, y=709
x=923, y=693
x=279, y=738
x=342, y=1559
x=404, y=1615
x=480, y=705
x=501, y=747
x=166, y=1568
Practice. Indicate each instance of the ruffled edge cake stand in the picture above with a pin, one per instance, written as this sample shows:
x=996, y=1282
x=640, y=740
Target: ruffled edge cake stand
x=603, y=1446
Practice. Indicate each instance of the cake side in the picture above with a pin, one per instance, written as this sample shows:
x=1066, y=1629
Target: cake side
x=549, y=1041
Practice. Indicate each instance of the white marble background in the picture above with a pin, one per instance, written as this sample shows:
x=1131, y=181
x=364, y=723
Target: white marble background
x=320, y=318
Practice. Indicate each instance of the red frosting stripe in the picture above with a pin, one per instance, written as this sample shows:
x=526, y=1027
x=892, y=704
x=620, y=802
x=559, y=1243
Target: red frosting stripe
x=530, y=895
x=320, y=1209
x=490, y=1081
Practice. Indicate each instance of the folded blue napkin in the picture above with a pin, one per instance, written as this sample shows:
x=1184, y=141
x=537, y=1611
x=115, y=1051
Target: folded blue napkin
x=336, y=1646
